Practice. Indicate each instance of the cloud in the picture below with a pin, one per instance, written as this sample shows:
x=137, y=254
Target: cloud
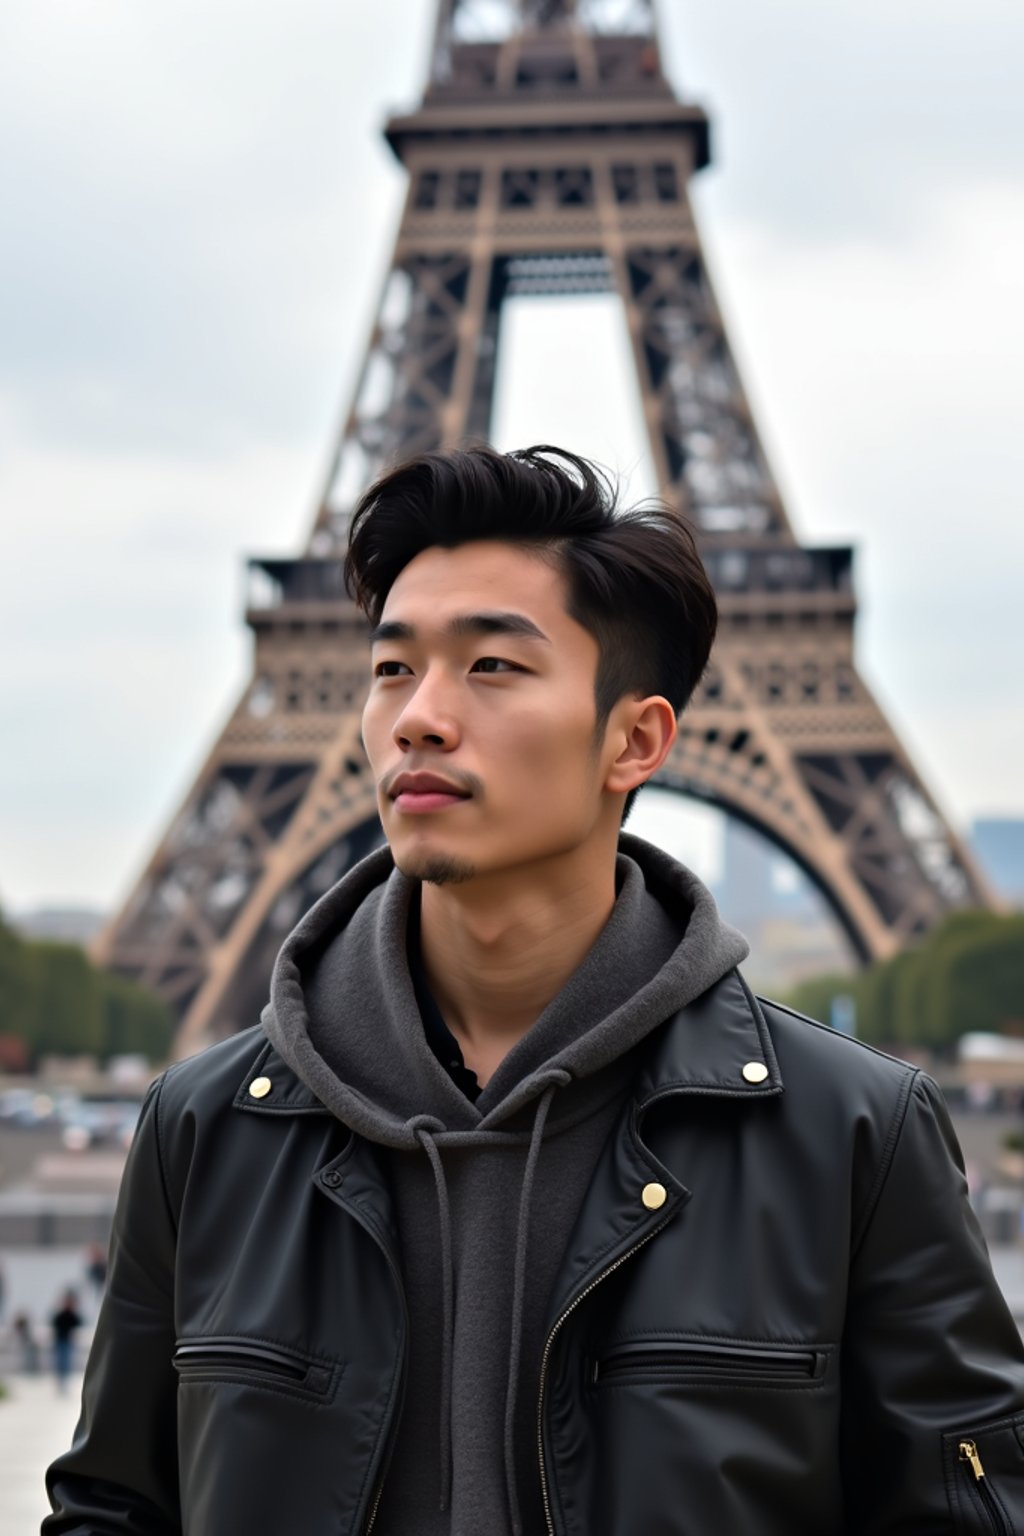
x=203, y=204
x=122, y=647
x=842, y=120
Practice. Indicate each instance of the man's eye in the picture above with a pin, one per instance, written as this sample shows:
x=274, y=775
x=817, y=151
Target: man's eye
x=492, y=663
x=379, y=669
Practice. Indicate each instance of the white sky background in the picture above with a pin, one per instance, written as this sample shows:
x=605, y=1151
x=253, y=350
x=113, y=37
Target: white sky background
x=197, y=208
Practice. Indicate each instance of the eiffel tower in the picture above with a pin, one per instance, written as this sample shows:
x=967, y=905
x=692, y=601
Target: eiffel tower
x=549, y=156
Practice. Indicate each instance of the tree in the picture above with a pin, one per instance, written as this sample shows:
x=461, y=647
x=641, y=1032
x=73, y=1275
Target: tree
x=814, y=996
x=68, y=1002
x=967, y=974
x=58, y=1003
x=135, y=1020
x=17, y=984
x=981, y=986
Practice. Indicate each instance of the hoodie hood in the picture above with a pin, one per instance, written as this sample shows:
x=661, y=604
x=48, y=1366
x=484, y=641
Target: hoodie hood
x=343, y=1011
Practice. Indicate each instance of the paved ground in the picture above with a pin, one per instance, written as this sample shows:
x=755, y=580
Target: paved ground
x=1008, y=1266
x=35, y=1424
x=35, y=1280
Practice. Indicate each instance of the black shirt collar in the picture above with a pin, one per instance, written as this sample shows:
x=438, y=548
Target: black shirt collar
x=439, y=1037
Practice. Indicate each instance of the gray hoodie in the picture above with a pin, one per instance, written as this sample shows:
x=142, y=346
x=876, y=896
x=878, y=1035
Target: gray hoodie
x=485, y=1193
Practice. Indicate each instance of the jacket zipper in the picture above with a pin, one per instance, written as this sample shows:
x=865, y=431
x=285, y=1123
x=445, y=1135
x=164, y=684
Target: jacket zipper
x=545, y=1358
x=396, y=1417
x=240, y=1355
x=376, y=1502
x=969, y=1454
x=696, y=1360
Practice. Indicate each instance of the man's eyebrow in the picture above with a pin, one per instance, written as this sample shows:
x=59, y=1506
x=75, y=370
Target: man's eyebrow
x=491, y=623
x=392, y=630
x=495, y=623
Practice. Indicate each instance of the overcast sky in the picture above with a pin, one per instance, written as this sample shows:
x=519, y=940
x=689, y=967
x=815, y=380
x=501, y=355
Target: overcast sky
x=197, y=208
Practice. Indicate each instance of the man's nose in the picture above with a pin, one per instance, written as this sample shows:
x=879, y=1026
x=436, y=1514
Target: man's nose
x=428, y=717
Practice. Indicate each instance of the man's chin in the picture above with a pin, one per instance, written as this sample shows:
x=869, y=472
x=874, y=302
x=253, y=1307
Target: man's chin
x=434, y=868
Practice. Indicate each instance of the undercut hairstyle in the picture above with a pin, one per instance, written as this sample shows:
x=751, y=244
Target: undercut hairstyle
x=633, y=577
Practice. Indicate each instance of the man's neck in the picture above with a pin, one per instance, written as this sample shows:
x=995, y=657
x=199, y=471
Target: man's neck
x=495, y=951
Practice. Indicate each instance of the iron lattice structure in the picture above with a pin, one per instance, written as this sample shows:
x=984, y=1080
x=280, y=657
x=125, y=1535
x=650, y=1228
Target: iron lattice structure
x=549, y=156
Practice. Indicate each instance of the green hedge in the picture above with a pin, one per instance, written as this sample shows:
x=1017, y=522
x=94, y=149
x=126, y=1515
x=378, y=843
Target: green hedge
x=59, y=1003
x=968, y=974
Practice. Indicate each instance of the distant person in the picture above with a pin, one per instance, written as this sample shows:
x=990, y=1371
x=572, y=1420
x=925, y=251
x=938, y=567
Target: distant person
x=28, y=1344
x=518, y=1213
x=96, y=1268
x=65, y=1323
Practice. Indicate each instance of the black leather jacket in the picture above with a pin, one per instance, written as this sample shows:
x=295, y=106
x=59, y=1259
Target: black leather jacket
x=804, y=1338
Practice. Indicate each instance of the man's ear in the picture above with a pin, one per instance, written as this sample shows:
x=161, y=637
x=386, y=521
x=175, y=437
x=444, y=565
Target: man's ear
x=643, y=737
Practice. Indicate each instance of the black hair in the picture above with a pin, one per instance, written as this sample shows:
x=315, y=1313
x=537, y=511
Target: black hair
x=634, y=578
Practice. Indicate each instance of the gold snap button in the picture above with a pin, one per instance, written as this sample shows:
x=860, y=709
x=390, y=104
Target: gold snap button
x=259, y=1087
x=755, y=1071
x=654, y=1196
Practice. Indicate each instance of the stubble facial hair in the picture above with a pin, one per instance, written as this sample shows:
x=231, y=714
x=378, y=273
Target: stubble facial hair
x=440, y=869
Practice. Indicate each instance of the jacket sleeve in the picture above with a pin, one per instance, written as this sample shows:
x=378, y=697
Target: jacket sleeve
x=932, y=1359
x=120, y=1474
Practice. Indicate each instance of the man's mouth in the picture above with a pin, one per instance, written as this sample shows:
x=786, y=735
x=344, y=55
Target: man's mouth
x=423, y=792
x=426, y=800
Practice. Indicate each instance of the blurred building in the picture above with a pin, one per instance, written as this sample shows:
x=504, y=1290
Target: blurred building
x=63, y=925
x=793, y=933
x=998, y=844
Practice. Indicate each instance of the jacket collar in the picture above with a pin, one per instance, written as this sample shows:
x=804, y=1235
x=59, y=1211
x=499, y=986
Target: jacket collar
x=702, y=1049
x=270, y=1087
x=717, y=1044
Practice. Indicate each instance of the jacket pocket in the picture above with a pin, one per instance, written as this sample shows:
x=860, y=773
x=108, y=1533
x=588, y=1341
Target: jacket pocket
x=984, y=1469
x=708, y=1363
x=250, y=1362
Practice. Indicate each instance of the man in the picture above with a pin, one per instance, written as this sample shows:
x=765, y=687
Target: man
x=519, y=1214
x=64, y=1324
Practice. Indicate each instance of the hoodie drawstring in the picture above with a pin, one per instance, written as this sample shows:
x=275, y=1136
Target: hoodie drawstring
x=518, y=1291
x=426, y=1135
x=444, y=1213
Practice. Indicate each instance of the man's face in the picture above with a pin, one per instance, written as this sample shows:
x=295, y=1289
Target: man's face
x=481, y=678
